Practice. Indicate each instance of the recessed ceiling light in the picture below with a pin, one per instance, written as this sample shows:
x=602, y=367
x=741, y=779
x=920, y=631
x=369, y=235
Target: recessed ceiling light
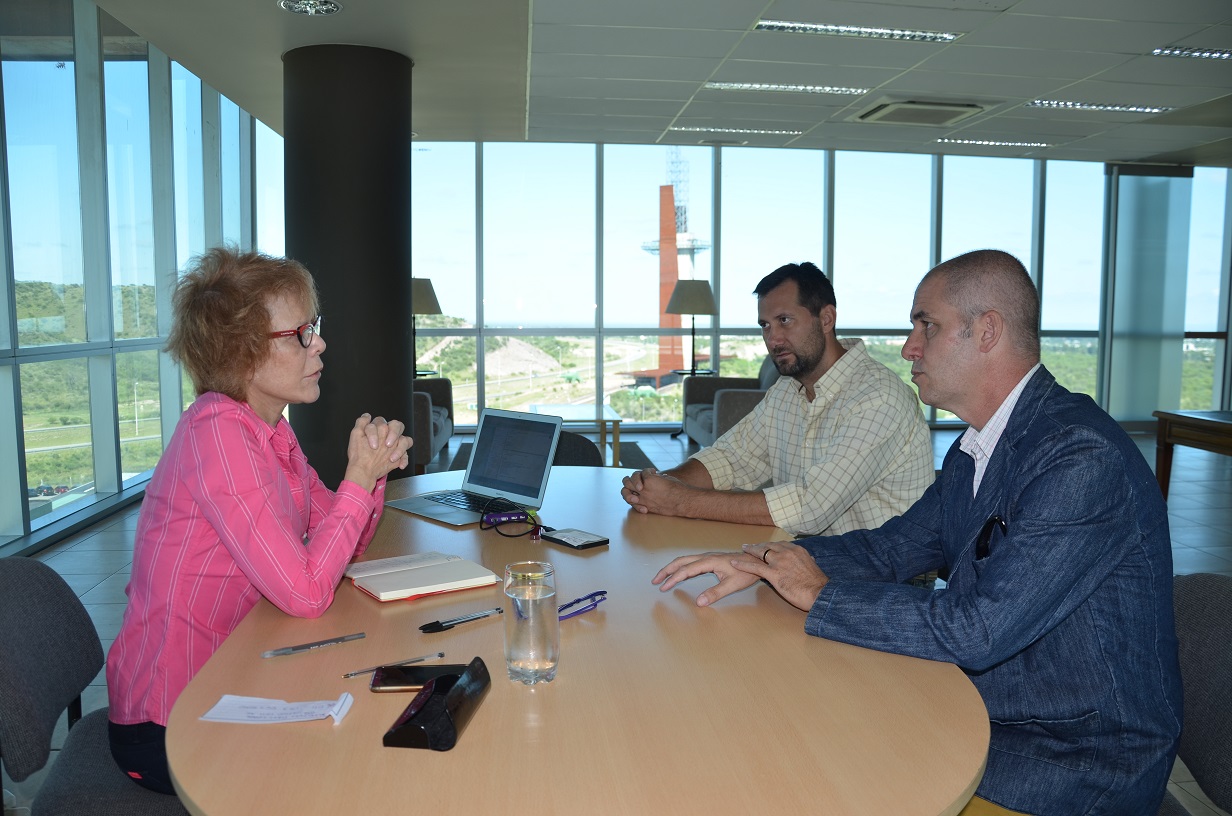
x=858, y=31
x=1093, y=106
x=312, y=8
x=774, y=86
x=990, y=143
x=737, y=131
x=1198, y=53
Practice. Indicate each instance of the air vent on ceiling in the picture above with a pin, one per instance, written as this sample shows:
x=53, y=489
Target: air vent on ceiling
x=936, y=114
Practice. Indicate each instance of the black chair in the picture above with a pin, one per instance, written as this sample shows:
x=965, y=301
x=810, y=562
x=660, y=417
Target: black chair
x=49, y=653
x=575, y=449
x=1203, y=604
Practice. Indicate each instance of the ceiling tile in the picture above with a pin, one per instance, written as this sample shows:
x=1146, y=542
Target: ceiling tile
x=638, y=42
x=1126, y=93
x=583, y=88
x=1065, y=34
x=628, y=107
x=1152, y=70
x=719, y=14
x=983, y=86
x=575, y=65
x=751, y=113
x=999, y=60
x=1171, y=11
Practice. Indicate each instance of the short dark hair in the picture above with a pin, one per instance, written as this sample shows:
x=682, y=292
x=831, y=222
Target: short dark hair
x=816, y=291
x=990, y=279
x=221, y=327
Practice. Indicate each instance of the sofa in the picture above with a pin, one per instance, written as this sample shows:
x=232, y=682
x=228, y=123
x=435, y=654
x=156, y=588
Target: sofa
x=432, y=408
x=712, y=405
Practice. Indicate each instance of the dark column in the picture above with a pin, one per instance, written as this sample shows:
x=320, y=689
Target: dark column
x=347, y=136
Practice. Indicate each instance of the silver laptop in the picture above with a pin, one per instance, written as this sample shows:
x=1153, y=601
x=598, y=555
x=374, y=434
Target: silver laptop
x=511, y=459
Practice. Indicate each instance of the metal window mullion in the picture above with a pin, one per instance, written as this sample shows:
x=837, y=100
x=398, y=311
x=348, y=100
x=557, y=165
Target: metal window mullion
x=1107, y=287
x=481, y=391
x=247, y=183
x=14, y=510
x=716, y=252
x=211, y=165
x=597, y=322
x=95, y=245
x=162, y=178
x=1224, y=318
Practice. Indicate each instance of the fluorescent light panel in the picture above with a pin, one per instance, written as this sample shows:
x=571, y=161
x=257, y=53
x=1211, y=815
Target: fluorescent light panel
x=774, y=86
x=1094, y=106
x=868, y=32
x=310, y=7
x=739, y=131
x=989, y=143
x=1197, y=53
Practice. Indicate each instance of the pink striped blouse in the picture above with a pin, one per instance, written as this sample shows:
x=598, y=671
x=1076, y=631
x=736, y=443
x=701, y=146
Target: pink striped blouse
x=232, y=513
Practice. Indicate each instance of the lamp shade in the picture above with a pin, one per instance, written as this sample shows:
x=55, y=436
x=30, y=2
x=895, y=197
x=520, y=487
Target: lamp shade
x=423, y=297
x=692, y=297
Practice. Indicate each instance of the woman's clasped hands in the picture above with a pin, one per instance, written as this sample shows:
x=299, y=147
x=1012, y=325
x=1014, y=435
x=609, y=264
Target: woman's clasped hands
x=376, y=447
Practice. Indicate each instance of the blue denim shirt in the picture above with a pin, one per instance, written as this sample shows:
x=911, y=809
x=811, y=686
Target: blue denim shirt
x=1065, y=627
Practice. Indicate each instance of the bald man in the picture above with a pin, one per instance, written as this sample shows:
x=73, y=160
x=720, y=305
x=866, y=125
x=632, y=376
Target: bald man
x=1059, y=598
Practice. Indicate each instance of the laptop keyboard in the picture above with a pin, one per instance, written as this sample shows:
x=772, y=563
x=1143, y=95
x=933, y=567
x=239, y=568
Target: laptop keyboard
x=467, y=501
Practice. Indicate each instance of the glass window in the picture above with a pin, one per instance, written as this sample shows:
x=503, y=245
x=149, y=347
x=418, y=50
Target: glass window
x=773, y=214
x=130, y=192
x=523, y=371
x=271, y=223
x=538, y=235
x=882, y=203
x=44, y=193
x=453, y=357
x=55, y=408
x=1073, y=246
x=188, y=160
x=987, y=204
x=1200, y=385
x=141, y=441
x=231, y=188
x=633, y=178
x=741, y=355
x=1074, y=361
x=443, y=225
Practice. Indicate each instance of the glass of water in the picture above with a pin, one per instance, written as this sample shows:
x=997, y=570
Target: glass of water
x=532, y=628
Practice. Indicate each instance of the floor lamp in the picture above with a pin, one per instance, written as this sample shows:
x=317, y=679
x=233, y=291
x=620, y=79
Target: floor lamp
x=692, y=297
x=423, y=302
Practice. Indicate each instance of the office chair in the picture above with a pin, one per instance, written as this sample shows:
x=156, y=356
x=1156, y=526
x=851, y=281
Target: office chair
x=575, y=449
x=1203, y=604
x=49, y=653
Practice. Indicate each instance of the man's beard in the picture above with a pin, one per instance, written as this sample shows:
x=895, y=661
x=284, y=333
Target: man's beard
x=803, y=361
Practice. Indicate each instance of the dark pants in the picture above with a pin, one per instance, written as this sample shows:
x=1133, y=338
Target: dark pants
x=141, y=752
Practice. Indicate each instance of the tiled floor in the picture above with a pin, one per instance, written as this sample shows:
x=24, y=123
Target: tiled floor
x=96, y=563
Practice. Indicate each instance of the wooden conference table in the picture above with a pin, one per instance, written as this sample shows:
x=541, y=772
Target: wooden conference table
x=1208, y=430
x=658, y=706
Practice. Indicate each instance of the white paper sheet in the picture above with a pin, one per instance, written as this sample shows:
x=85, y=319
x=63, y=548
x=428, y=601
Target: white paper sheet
x=235, y=709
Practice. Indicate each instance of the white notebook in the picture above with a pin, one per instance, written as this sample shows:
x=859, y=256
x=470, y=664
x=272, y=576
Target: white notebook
x=413, y=576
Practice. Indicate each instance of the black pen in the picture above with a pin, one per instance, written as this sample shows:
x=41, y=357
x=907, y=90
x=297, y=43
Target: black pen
x=442, y=625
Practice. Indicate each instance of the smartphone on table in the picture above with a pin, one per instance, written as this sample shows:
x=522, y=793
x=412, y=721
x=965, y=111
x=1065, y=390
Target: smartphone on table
x=410, y=678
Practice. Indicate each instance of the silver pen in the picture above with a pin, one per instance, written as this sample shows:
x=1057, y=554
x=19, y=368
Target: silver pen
x=307, y=647
x=371, y=669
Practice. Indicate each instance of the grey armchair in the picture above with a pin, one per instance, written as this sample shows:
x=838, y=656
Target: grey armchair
x=712, y=405
x=432, y=405
x=1203, y=604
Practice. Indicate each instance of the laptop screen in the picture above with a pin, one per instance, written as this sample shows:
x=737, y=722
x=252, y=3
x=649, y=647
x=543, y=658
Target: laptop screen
x=513, y=454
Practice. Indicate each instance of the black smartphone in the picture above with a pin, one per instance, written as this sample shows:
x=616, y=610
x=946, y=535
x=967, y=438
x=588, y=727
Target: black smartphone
x=410, y=678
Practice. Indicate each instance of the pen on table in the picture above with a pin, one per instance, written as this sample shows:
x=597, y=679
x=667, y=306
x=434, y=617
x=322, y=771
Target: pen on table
x=371, y=669
x=449, y=623
x=305, y=647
